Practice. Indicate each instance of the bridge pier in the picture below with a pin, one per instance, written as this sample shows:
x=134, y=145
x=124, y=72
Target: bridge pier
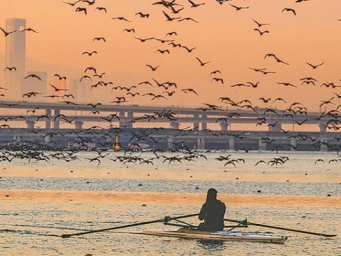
x=231, y=143
x=47, y=139
x=323, y=127
x=48, y=122
x=174, y=124
x=203, y=122
x=130, y=117
x=170, y=143
x=196, y=122
x=78, y=125
x=122, y=122
x=324, y=147
x=17, y=138
x=201, y=143
x=261, y=145
x=30, y=124
x=223, y=126
x=293, y=144
x=56, y=123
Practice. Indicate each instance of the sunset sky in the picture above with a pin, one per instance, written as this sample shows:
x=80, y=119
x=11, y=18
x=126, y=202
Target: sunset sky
x=223, y=36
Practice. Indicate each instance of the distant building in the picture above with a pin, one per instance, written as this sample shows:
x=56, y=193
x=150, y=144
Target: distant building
x=15, y=56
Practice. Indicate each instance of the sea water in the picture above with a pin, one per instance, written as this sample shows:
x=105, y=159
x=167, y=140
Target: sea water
x=41, y=200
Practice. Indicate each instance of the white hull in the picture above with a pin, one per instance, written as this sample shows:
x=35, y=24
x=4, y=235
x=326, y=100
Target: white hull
x=218, y=236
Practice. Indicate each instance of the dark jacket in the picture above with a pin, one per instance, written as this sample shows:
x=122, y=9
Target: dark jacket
x=212, y=212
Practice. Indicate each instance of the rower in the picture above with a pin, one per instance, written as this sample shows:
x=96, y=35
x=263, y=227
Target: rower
x=212, y=212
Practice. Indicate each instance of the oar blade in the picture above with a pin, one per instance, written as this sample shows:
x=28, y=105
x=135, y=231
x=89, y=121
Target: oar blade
x=245, y=222
x=165, y=220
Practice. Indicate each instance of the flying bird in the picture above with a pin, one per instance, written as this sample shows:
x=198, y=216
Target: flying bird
x=28, y=29
x=72, y=4
x=314, y=66
x=33, y=76
x=261, y=32
x=128, y=30
x=90, y=53
x=120, y=18
x=142, y=15
x=7, y=33
x=202, y=63
x=188, y=18
x=57, y=89
x=189, y=90
x=162, y=51
x=260, y=24
x=193, y=5
x=217, y=79
x=188, y=49
x=169, y=18
x=289, y=10
x=238, y=8
x=152, y=68
x=10, y=68
x=80, y=9
x=60, y=77
x=99, y=39
x=101, y=9
x=171, y=33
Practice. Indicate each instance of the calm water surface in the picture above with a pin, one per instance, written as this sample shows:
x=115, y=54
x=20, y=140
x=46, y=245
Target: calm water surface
x=41, y=201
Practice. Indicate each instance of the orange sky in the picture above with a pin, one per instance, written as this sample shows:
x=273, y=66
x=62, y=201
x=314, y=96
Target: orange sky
x=223, y=36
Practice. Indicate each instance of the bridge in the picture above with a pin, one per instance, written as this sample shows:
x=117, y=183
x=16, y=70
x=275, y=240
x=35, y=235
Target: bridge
x=56, y=114
x=161, y=127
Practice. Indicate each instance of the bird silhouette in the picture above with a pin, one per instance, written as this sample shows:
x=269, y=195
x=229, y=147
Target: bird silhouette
x=260, y=24
x=121, y=18
x=99, y=39
x=72, y=4
x=10, y=68
x=128, y=30
x=193, y=5
x=169, y=18
x=261, y=32
x=238, y=8
x=33, y=76
x=60, y=77
x=217, y=79
x=7, y=33
x=81, y=9
x=101, y=9
x=29, y=30
x=187, y=18
x=144, y=39
x=90, y=53
x=57, y=89
x=187, y=90
x=289, y=10
x=315, y=66
x=172, y=33
x=202, y=63
x=188, y=49
x=142, y=15
x=162, y=51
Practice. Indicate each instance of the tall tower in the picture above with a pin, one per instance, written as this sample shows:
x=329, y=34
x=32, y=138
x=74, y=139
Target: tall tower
x=15, y=56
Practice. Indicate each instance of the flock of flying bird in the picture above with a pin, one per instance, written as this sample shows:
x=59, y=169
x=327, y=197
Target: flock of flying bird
x=171, y=12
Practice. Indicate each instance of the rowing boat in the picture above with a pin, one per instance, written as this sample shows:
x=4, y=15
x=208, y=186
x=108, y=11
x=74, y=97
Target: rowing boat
x=218, y=236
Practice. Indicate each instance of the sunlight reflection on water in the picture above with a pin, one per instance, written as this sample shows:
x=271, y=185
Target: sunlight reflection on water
x=44, y=202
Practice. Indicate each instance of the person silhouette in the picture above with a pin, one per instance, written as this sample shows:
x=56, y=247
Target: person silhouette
x=212, y=212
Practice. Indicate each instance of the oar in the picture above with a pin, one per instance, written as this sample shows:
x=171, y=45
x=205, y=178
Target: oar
x=165, y=220
x=245, y=222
